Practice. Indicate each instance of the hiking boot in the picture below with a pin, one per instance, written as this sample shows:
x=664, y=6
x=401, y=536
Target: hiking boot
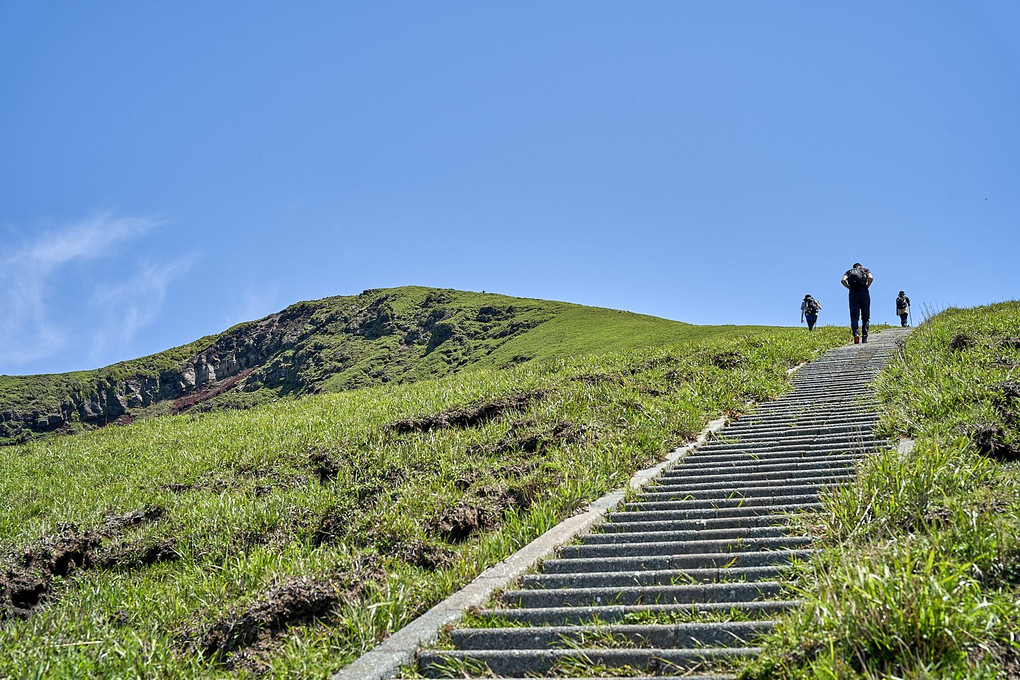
x=864, y=338
x=857, y=339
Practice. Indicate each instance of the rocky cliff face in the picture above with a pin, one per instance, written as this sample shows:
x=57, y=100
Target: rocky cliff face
x=108, y=400
x=327, y=345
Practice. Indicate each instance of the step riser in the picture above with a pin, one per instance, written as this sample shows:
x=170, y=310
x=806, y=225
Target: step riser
x=736, y=502
x=744, y=480
x=563, y=616
x=682, y=472
x=651, y=578
x=687, y=548
x=830, y=447
x=751, y=558
x=734, y=534
x=687, y=636
x=740, y=492
x=766, y=458
x=695, y=525
x=594, y=597
x=710, y=514
x=524, y=662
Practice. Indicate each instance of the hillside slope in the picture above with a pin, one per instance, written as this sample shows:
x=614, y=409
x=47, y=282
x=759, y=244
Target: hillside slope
x=283, y=540
x=329, y=345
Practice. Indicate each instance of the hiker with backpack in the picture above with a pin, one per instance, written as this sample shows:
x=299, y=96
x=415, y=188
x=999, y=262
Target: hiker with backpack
x=809, y=311
x=903, y=308
x=857, y=280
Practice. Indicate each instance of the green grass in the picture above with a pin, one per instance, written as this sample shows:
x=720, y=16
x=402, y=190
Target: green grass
x=918, y=576
x=249, y=513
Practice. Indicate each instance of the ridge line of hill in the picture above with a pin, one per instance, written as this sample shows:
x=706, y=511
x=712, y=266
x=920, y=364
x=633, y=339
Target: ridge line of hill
x=333, y=344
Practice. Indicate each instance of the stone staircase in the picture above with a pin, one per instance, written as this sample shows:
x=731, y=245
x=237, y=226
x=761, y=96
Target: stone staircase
x=682, y=578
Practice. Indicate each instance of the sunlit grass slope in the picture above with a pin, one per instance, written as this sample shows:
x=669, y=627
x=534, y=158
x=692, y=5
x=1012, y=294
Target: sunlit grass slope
x=287, y=539
x=919, y=574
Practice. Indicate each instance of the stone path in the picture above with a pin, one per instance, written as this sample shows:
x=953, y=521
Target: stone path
x=681, y=579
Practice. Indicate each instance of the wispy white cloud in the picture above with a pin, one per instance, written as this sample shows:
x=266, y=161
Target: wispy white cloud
x=253, y=304
x=88, y=239
x=127, y=306
x=48, y=278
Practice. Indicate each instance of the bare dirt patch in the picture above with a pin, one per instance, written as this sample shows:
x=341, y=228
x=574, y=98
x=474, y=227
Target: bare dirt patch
x=324, y=464
x=468, y=416
x=960, y=341
x=597, y=378
x=989, y=441
x=727, y=360
x=1003, y=655
x=527, y=437
x=414, y=551
x=138, y=554
x=243, y=640
x=483, y=510
x=208, y=391
x=26, y=582
x=333, y=526
x=457, y=523
x=293, y=602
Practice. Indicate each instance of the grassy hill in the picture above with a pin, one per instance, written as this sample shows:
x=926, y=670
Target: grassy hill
x=285, y=539
x=396, y=335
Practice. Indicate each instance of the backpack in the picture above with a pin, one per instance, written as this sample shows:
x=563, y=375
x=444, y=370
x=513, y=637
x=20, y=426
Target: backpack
x=857, y=278
x=811, y=306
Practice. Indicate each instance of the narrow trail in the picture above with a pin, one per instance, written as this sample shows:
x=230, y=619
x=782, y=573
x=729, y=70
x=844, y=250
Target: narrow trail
x=681, y=579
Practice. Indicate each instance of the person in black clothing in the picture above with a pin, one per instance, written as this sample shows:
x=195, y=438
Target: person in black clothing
x=857, y=280
x=903, y=308
x=809, y=311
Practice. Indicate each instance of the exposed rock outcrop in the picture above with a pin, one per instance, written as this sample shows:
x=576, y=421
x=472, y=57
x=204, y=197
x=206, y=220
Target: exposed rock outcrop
x=246, y=347
x=326, y=345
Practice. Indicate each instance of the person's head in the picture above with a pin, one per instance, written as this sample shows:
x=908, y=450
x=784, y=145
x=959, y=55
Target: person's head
x=807, y=296
x=902, y=293
x=857, y=264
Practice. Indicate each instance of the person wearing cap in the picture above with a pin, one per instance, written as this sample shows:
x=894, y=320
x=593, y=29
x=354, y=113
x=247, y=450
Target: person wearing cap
x=809, y=311
x=857, y=280
x=903, y=308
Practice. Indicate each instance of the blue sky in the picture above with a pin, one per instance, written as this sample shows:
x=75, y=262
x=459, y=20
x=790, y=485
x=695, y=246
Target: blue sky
x=170, y=169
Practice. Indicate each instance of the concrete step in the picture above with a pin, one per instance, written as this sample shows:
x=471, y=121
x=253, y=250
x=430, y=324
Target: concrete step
x=674, y=636
x=685, y=548
x=775, y=520
x=760, y=458
x=683, y=561
x=735, y=430
x=750, y=465
x=741, y=478
x=833, y=445
x=670, y=535
x=806, y=417
x=647, y=578
x=791, y=436
x=524, y=662
x=742, y=491
x=562, y=616
x=753, y=469
x=738, y=591
x=709, y=515
x=720, y=503
x=685, y=676
x=843, y=416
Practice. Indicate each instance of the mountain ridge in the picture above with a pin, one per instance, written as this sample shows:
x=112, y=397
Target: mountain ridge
x=332, y=344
